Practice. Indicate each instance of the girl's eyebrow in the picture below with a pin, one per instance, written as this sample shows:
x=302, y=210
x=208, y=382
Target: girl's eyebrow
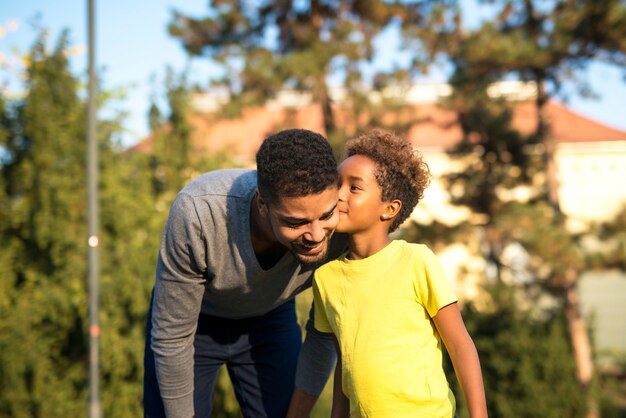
x=355, y=178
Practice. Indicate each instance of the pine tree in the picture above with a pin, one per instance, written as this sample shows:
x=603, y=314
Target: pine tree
x=43, y=303
x=47, y=300
x=299, y=45
x=172, y=147
x=545, y=44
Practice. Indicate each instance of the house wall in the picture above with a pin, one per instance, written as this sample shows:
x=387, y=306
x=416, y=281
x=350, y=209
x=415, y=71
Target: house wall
x=592, y=188
x=592, y=180
x=603, y=302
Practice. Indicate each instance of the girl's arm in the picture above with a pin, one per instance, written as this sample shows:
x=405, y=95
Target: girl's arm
x=464, y=357
x=341, y=403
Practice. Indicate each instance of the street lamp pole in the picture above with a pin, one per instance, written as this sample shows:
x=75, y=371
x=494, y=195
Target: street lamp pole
x=93, y=241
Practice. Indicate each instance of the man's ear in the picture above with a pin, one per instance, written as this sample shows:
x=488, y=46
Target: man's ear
x=391, y=210
x=261, y=205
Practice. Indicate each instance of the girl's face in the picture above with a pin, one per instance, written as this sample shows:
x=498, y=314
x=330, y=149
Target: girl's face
x=360, y=197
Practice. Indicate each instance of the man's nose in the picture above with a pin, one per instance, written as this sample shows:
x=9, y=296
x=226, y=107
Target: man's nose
x=316, y=232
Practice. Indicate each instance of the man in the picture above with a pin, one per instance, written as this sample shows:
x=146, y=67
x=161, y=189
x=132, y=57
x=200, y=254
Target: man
x=237, y=247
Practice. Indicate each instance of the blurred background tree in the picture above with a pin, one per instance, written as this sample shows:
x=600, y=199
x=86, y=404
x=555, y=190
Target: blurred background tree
x=43, y=346
x=43, y=308
x=43, y=301
x=264, y=48
x=527, y=364
x=546, y=44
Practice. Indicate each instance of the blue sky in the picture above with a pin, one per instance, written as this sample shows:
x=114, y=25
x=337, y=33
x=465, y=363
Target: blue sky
x=133, y=50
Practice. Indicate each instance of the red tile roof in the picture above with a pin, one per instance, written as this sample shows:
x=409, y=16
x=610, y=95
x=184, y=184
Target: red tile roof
x=435, y=127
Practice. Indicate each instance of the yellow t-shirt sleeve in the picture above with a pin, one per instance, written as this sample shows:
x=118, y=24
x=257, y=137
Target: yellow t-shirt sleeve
x=320, y=318
x=432, y=286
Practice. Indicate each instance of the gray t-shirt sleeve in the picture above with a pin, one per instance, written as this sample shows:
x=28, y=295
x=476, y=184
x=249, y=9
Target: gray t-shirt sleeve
x=178, y=291
x=317, y=359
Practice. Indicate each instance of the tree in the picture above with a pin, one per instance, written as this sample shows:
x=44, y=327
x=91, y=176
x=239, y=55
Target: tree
x=544, y=43
x=172, y=147
x=527, y=364
x=42, y=179
x=43, y=307
x=300, y=45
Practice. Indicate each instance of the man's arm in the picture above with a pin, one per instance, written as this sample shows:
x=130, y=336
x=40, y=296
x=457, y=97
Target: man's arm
x=341, y=403
x=315, y=364
x=178, y=294
x=464, y=357
x=301, y=404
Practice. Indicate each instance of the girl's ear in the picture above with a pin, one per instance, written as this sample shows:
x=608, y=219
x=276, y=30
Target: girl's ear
x=391, y=210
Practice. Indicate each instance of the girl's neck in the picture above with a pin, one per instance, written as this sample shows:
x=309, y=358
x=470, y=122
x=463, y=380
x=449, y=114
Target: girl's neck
x=362, y=245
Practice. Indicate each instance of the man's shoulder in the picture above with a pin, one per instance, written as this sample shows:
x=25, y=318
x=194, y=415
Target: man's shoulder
x=229, y=181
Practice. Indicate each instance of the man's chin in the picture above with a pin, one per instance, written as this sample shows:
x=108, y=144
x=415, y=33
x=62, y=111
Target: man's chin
x=315, y=258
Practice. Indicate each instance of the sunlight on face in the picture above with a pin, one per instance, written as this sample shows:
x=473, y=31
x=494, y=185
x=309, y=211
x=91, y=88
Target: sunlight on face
x=360, y=203
x=305, y=224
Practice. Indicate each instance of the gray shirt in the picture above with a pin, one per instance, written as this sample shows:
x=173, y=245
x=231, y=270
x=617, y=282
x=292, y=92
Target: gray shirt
x=207, y=264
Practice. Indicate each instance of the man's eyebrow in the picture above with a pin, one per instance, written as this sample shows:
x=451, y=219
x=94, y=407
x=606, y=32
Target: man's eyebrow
x=304, y=220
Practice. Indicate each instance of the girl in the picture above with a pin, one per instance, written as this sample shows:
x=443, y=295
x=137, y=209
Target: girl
x=387, y=301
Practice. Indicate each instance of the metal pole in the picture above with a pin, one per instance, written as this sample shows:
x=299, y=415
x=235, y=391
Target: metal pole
x=93, y=241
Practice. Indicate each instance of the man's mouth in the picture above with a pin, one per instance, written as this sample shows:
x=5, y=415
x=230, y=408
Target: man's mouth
x=310, y=249
x=313, y=249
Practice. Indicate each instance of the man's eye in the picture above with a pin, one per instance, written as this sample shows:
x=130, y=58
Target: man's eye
x=293, y=225
x=328, y=215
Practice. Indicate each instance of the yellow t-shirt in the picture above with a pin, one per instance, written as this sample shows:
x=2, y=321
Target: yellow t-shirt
x=380, y=310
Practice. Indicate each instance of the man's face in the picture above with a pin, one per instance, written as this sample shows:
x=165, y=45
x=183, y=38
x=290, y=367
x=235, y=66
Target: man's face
x=305, y=224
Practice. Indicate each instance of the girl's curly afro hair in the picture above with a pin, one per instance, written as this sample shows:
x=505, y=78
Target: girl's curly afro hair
x=401, y=171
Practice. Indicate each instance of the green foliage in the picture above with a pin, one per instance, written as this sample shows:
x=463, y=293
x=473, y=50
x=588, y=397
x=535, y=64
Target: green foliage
x=612, y=388
x=43, y=251
x=610, y=239
x=552, y=249
x=545, y=43
x=130, y=230
x=43, y=297
x=171, y=139
x=290, y=44
x=528, y=367
x=497, y=158
x=42, y=240
x=533, y=40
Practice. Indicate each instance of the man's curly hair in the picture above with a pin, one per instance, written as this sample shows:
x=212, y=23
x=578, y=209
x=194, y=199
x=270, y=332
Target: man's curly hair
x=295, y=163
x=401, y=172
